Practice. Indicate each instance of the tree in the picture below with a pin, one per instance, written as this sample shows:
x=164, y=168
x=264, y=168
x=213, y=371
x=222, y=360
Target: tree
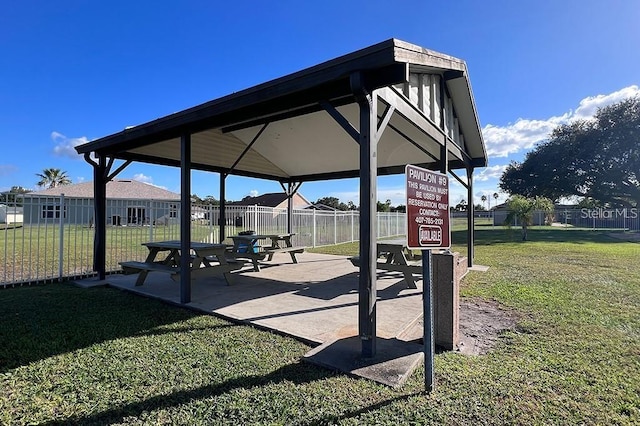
x=484, y=200
x=332, y=202
x=495, y=197
x=597, y=159
x=384, y=207
x=11, y=196
x=461, y=206
x=52, y=178
x=521, y=209
x=211, y=200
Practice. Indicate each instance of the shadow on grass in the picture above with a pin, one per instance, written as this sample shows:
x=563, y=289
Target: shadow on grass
x=297, y=374
x=486, y=235
x=41, y=321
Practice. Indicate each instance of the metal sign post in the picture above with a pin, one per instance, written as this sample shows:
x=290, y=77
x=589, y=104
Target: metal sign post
x=427, y=228
x=427, y=315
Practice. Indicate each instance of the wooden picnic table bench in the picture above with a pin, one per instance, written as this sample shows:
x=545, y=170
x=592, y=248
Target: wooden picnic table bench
x=207, y=260
x=247, y=247
x=397, y=258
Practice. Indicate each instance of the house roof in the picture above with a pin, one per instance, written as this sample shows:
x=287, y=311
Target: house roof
x=116, y=189
x=320, y=206
x=267, y=200
x=301, y=127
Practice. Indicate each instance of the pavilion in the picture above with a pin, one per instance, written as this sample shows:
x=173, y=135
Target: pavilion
x=364, y=114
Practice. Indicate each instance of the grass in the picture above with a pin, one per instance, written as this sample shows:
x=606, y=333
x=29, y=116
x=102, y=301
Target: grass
x=100, y=356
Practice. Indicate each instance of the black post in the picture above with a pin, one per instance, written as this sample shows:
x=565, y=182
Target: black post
x=289, y=207
x=185, y=218
x=100, y=216
x=427, y=309
x=470, y=219
x=368, y=197
x=223, y=208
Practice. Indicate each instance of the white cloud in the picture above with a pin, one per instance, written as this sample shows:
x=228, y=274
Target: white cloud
x=525, y=133
x=253, y=193
x=491, y=172
x=140, y=177
x=457, y=192
x=397, y=195
x=65, y=146
x=589, y=106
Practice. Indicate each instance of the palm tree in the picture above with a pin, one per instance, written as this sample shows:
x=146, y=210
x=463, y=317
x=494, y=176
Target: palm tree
x=484, y=199
x=495, y=197
x=52, y=178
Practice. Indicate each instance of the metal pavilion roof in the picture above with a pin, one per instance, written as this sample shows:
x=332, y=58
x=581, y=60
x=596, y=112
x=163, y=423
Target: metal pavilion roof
x=297, y=128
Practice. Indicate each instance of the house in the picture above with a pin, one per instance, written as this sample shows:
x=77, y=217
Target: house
x=129, y=202
x=277, y=200
x=10, y=214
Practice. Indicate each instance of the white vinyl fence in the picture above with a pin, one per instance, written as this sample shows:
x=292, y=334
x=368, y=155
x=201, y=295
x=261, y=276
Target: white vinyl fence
x=51, y=238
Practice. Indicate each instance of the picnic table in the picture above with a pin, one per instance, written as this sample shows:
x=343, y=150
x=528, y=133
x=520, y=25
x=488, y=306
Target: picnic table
x=207, y=260
x=248, y=247
x=396, y=257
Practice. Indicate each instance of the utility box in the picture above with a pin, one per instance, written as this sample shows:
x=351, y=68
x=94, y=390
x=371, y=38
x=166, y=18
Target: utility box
x=448, y=270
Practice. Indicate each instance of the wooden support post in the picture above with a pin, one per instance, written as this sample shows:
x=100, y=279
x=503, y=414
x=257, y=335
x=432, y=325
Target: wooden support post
x=222, y=221
x=368, y=197
x=290, y=195
x=470, y=219
x=185, y=218
x=100, y=215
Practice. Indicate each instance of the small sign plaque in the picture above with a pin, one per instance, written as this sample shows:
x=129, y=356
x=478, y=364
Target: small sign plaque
x=427, y=209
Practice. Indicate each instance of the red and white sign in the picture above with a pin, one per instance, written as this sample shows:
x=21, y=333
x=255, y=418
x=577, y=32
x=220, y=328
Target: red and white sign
x=427, y=209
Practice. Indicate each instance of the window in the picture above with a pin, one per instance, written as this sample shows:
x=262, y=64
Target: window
x=136, y=215
x=52, y=212
x=173, y=210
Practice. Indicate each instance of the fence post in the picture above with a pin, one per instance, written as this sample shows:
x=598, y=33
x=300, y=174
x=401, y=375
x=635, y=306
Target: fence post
x=335, y=227
x=61, y=242
x=352, y=220
x=314, y=228
x=255, y=219
x=151, y=220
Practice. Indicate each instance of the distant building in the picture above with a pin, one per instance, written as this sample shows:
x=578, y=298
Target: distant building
x=10, y=214
x=274, y=199
x=129, y=202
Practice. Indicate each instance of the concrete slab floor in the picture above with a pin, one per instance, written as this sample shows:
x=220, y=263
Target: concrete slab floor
x=315, y=300
x=90, y=282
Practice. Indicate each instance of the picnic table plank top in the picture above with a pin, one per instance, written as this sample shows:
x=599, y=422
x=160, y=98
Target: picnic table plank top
x=177, y=244
x=261, y=236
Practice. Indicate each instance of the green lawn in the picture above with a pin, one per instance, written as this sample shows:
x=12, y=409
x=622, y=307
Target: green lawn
x=100, y=356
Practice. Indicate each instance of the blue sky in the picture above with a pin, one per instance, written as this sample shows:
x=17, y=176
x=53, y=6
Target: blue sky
x=74, y=71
